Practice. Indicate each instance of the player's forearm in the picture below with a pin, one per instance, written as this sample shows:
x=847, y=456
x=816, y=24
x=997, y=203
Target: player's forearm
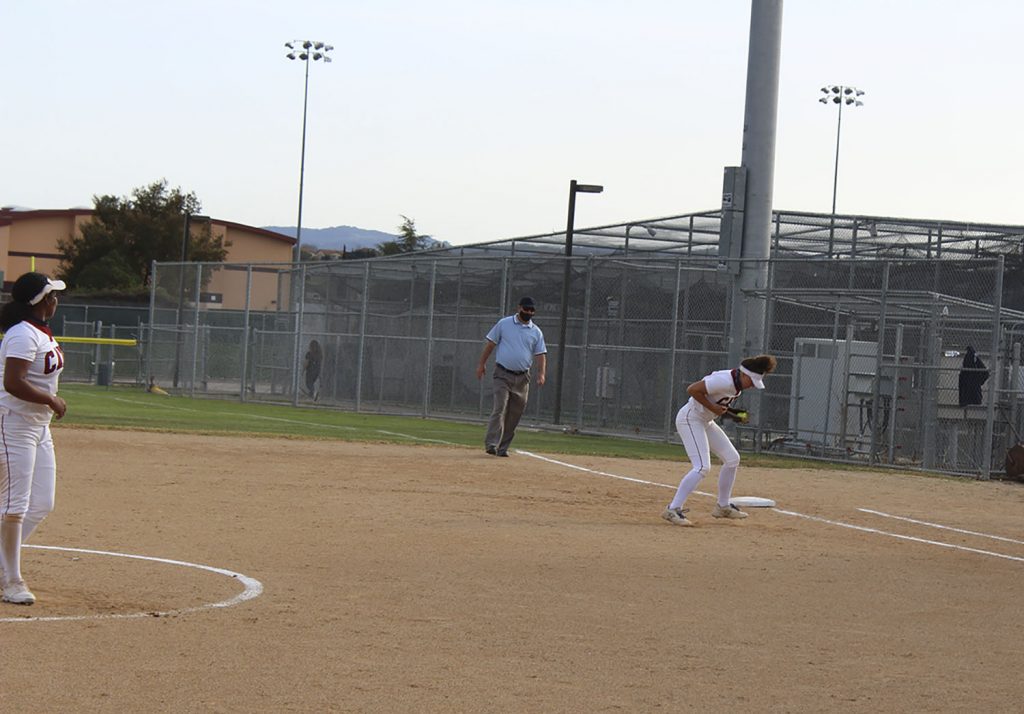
x=27, y=393
x=699, y=392
x=486, y=354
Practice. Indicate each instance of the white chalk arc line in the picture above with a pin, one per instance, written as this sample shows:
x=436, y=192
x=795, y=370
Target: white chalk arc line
x=252, y=589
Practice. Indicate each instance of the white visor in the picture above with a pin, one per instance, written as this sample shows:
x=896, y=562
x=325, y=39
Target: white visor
x=50, y=286
x=757, y=379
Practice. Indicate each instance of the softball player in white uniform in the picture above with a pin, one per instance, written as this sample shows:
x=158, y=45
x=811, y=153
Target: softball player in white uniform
x=710, y=398
x=30, y=365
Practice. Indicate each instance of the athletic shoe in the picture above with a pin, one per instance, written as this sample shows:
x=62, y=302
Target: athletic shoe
x=491, y=450
x=18, y=593
x=729, y=511
x=677, y=516
x=502, y=453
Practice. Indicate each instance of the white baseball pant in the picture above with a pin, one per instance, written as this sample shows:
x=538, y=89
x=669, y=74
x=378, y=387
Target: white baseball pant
x=699, y=436
x=28, y=480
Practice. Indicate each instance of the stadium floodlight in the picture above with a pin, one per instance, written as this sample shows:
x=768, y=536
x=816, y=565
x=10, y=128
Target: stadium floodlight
x=839, y=95
x=574, y=188
x=300, y=50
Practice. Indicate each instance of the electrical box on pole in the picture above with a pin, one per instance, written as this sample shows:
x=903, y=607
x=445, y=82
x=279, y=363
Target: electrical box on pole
x=730, y=237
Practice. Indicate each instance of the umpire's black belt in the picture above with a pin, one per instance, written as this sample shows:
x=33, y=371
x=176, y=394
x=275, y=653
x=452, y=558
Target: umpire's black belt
x=512, y=371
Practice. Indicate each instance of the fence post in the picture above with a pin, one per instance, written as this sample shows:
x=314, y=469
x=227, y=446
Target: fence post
x=152, y=322
x=245, y=331
x=97, y=355
x=179, y=326
x=582, y=392
x=893, y=406
x=624, y=291
x=844, y=412
x=195, y=328
x=876, y=411
x=1015, y=389
x=931, y=376
x=673, y=342
x=204, y=371
x=831, y=380
x=362, y=334
x=429, y=371
x=300, y=305
x=505, y=269
x=995, y=370
x=506, y=285
x=455, y=343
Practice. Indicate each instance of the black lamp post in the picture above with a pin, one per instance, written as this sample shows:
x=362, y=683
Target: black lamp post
x=839, y=95
x=574, y=188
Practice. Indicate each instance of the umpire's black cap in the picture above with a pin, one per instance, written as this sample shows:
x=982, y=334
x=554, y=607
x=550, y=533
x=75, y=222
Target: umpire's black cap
x=527, y=302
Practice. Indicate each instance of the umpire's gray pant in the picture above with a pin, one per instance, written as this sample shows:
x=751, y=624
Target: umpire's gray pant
x=510, y=394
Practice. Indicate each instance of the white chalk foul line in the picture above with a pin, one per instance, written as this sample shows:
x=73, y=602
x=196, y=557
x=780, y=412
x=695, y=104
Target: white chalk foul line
x=415, y=438
x=795, y=514
x=601, y=473
x=287, y=421
x=939, y=525
x=865, y=529
x=252, y=588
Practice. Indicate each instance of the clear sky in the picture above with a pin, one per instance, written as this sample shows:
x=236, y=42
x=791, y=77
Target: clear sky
x=471, y=116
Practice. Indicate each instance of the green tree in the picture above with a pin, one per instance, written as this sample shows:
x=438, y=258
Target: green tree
x=116, y=248
x=408, y=240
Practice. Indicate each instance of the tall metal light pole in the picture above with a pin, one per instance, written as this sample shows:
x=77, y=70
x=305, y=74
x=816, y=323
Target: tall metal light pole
x=305, y=50
x=574, y=188
x=839, y=95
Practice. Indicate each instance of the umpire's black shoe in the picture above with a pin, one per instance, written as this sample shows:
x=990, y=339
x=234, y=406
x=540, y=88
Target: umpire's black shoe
x=491, y=450
x=502, y=453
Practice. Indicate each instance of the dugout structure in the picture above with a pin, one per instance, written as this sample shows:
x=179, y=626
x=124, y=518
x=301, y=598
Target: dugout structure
x=647, y=313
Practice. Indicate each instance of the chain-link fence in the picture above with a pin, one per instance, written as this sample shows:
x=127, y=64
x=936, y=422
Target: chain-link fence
x=101, y=344
x=871, y=351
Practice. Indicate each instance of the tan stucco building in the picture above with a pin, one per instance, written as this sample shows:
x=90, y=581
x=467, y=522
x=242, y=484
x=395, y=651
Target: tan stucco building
x=32, y=235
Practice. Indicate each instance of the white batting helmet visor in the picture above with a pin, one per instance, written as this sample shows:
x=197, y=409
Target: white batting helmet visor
x=757, y=379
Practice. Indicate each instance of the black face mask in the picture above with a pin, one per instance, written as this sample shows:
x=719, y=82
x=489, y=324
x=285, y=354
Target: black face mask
x=525, y=316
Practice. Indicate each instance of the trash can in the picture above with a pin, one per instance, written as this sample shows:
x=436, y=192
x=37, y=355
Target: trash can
x=104, y=371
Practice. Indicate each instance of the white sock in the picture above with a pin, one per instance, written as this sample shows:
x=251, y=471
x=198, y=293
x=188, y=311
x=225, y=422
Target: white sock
x=726, y=478
x=28, y=526
x=686, y=487
x=10, y=548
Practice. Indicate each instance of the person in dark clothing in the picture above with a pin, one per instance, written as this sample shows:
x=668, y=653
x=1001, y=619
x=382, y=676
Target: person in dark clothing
x=311, y=368
x=972, y=376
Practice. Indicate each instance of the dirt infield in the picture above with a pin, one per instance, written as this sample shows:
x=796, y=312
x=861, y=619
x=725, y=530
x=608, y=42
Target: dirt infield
x=444, y=580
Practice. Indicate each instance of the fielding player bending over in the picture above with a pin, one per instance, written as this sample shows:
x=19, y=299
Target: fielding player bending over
x=710, y=398
x=30, y=364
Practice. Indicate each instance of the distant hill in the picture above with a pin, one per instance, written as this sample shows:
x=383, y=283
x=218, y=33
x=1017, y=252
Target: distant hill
x=337, y=237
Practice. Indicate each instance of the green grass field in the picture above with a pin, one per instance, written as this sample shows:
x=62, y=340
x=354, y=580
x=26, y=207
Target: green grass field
x=134, y=408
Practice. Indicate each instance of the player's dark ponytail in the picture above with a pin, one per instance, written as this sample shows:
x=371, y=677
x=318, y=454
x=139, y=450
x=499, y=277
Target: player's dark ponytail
x=762, y=364
x=12, y=313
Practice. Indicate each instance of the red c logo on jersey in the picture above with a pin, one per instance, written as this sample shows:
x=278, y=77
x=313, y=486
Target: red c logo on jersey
x=56, y=353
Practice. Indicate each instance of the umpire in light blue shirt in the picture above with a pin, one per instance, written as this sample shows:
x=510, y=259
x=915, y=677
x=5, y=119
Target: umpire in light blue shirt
x=517, y=341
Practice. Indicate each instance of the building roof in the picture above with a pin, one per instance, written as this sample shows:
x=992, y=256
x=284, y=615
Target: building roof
x=794, y=234
x=9, y=214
